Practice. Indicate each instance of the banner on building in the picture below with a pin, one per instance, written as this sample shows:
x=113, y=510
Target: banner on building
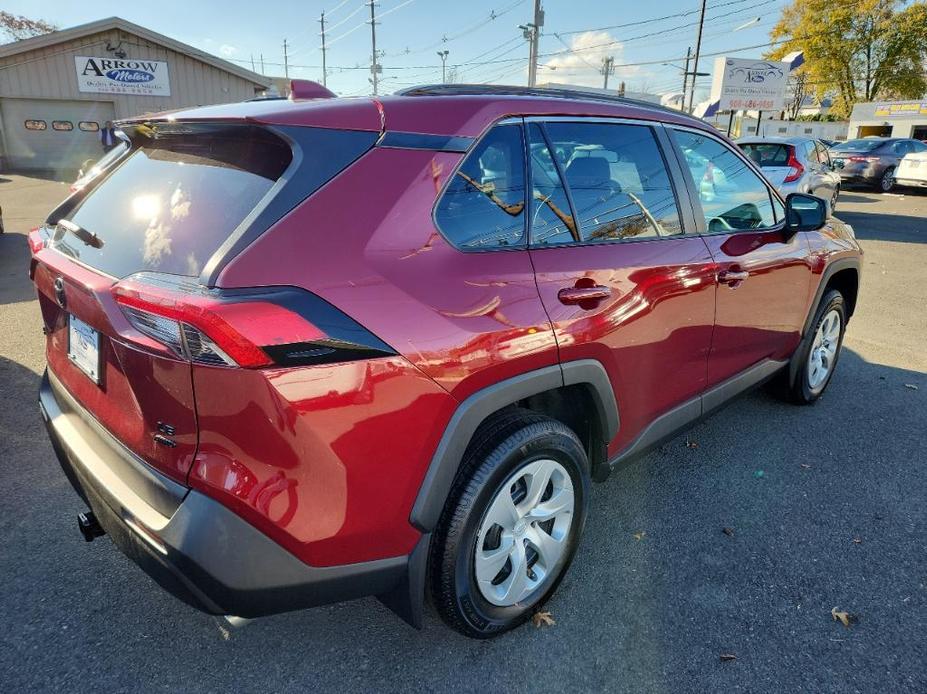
x=740, y=84
x=139, y=77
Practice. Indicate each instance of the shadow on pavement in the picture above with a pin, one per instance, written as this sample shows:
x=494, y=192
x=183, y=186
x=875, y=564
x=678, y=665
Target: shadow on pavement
x=885, y=227
x=15, y=285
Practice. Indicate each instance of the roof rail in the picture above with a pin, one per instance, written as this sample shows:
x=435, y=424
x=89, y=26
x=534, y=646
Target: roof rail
x=544, y=92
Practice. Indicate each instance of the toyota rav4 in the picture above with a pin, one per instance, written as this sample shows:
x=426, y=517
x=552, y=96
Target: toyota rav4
x=302, y=351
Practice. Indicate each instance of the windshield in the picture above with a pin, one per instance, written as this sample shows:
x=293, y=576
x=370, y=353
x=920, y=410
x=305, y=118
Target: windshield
x=767, y=154
x=865, y=145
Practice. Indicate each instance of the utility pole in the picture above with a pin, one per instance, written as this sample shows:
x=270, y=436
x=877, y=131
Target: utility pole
x=324, y=71
x=621, y=89
x=698, y=49
x=443, y=55
x=608, y=67
x=532, y=32
x=685, y=79
x=374, y=66
x=262, y=64
x=252, y=63
x=286, y=61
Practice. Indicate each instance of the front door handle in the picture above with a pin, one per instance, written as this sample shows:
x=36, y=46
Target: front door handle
x=586, y=297
x=732, y=277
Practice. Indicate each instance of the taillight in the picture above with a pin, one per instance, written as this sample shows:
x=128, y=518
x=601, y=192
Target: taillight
x=795, y=168
x=254, y=328
x=859, y=158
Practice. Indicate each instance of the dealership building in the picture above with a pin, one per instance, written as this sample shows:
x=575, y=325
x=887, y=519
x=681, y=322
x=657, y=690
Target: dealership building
x=890, y=119
x=57, y=90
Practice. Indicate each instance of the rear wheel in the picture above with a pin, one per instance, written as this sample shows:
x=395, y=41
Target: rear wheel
x=833, y=199
x=511, y=525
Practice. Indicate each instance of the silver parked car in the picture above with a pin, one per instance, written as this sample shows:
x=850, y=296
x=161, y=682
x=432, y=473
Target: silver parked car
x=795, y=165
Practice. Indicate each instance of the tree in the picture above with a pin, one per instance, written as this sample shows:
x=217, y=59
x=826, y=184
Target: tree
x=798, y=90
x=17, y=27
x=859, y=50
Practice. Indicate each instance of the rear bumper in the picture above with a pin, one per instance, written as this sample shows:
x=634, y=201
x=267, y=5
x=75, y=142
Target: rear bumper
x=193, y=546
x=912, y=182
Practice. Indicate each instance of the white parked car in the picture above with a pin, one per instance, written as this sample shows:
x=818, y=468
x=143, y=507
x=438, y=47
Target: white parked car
x=795, y=165
x=912, y=170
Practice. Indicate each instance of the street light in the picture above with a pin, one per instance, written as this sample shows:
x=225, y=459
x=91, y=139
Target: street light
x=443, y=55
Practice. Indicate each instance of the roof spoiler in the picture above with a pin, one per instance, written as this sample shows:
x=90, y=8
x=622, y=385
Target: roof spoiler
x=307, y=89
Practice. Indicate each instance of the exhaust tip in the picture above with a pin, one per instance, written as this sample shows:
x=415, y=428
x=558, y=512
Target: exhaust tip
x=89, y=526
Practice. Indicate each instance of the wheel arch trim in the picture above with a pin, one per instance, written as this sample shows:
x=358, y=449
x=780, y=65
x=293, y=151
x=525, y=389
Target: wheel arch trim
x=459, y=431
x=832, y=269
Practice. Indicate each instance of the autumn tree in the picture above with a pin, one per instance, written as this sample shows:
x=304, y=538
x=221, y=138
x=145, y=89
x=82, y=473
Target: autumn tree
x=16, y=27
x=857, y=50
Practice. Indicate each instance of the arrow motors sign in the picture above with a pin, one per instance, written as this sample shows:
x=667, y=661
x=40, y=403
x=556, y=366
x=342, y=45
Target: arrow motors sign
x=752, y=85
x=139, y=77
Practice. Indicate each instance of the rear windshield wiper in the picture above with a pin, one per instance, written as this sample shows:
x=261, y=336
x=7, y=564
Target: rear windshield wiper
x=88, y=237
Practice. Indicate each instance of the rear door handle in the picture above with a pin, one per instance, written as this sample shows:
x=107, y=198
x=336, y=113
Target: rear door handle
x=581, y=295
x=732, y=277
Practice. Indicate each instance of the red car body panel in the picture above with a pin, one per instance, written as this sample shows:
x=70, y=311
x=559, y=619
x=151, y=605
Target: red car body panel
x=652, y=335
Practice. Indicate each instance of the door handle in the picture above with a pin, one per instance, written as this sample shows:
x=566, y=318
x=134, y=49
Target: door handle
x=586, y=297
x=732, y=277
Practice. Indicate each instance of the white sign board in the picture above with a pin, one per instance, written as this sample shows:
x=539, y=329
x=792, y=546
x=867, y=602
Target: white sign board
x=139, y=77
x=749, y=85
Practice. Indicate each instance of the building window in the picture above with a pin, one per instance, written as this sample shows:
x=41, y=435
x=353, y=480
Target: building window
x=62, y=125
x=783, y=129
x=808, y=131
x=35, y=124
x=89, y=126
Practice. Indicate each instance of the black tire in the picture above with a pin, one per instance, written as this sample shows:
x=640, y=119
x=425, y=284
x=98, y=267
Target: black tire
x=794, y=384
x=886, y=181
x=499, y=448
x=833, y=200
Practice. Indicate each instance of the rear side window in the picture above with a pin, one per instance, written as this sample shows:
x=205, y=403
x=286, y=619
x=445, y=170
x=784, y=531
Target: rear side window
x=176, y=198
x=617, y=179
x=732, y=196
x=483, y=206
x=552, y=219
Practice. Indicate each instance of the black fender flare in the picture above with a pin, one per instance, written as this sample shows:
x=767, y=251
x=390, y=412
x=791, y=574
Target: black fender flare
x=831, y=270
x=447, y=457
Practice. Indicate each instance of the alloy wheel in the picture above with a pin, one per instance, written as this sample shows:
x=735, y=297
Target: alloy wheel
x=523, y=534
x=823, y=352
x=887, y=181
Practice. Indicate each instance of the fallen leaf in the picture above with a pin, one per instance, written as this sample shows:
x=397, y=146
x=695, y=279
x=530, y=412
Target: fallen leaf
x=845, y=618
x=543, y=619
x=640, y=536
x=691, y=444
x=728, y=531
x=911, y=386
x=857, y=540
x=806, y=466
x=727, y=657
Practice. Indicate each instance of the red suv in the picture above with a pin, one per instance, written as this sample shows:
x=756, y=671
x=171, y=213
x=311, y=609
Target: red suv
x=305, y=351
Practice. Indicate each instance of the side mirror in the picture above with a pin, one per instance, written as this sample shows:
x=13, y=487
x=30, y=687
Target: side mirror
x=804, y=213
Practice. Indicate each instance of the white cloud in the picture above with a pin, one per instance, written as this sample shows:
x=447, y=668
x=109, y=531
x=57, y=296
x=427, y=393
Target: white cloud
x=227, y=50
x=581, y=64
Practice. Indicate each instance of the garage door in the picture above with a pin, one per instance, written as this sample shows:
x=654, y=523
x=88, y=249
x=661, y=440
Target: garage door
x=58, y=136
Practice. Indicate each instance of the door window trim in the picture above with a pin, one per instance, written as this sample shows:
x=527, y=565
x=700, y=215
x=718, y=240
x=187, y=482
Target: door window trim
x=701, y=224
x=661, y=140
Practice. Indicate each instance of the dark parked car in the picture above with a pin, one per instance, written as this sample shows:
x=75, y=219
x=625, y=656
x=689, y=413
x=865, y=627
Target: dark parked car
x=305, y=351
x=872, y=160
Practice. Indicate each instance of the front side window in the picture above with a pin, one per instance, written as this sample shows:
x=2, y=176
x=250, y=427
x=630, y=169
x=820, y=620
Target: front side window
x=617, y=180
x=483, y=206
x=732, y=196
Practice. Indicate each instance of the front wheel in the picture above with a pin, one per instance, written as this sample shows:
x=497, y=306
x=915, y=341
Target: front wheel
x=511, y=525
x=887, y=181
x=815, y=360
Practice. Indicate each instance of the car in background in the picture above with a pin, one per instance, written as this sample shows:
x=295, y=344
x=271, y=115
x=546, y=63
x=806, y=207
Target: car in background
x=873, y=160
x=795, y=165
x=912, y=171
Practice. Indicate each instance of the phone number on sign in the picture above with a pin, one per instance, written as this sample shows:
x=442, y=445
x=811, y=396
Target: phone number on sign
x=752, y=104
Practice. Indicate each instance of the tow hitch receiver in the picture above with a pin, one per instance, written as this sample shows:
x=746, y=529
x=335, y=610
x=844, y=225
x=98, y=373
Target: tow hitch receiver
x=89, y=527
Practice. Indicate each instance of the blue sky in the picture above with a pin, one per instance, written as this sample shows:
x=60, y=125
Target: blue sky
x=577, y=36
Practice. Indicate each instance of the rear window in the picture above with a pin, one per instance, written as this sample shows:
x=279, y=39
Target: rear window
x=177, y=196
x=767, y=154
x=866, y=145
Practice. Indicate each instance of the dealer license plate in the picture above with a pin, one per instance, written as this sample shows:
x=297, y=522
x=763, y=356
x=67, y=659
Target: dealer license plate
x=84, y=348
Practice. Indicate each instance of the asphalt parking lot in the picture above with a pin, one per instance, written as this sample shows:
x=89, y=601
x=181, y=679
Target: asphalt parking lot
x=827, y=507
